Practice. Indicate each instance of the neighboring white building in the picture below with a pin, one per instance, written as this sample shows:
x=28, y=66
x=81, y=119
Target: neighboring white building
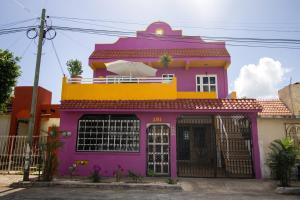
x=279, y=118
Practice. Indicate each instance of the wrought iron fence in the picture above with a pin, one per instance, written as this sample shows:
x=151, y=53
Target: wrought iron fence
x=12, y=154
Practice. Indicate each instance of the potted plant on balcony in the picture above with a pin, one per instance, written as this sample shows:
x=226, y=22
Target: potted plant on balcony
x=166, y=59
x=75, y=69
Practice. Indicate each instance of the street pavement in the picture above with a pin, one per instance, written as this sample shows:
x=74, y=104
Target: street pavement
x=208, y=189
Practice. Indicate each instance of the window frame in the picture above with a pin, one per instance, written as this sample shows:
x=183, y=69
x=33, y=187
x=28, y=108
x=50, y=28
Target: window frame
x=201, y=84
x=168, y=76
x=136, y=136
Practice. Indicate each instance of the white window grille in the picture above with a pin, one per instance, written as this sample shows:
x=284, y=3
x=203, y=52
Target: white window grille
x=108, y=135
x=206, y=83
x=158, y=149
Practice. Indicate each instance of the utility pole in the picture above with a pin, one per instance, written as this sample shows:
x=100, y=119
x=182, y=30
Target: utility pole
x=34, y=99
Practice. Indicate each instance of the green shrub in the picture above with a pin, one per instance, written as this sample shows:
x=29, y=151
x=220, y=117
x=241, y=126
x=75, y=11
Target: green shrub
x=135, y=177
x=74, y=67
x=150, y=173
x=172, y=181
x=96, y=175
x=282, y=158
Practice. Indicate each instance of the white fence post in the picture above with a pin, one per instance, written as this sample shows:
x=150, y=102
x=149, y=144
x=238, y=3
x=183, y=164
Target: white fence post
x=12, y=157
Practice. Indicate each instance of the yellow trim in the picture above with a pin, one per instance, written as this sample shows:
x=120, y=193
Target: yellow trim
x=196, y=95
x=128, y=91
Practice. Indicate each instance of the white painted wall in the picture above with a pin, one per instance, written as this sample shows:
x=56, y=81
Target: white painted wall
x=4, y=124
x=268, y=131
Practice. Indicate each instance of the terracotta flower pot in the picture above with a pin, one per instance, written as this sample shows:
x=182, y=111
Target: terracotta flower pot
x=78, y=79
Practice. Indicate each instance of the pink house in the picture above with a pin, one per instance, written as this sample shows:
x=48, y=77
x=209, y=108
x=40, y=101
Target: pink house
x=181, y=123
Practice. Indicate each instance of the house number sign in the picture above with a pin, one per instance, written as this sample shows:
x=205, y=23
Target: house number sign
x=157, y=119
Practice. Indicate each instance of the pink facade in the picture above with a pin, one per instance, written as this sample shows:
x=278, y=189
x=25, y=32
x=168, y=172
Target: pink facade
x=197, y=57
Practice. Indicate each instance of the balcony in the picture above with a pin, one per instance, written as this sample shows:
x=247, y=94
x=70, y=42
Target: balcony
x=126, y=88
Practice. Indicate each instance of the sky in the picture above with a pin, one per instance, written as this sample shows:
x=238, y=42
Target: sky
x=254, y=72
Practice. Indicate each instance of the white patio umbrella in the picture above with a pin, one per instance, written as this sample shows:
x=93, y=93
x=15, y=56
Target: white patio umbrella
x=130, y=68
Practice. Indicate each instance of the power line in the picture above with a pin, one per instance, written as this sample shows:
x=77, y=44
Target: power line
x=73, y=40
x=99, y=25
x=58, y=60
x=20, y=37
x=130, y=33
x=192, y=27
x=177, y=39
x=17, y=22
x=15, y=30
x=26, y=49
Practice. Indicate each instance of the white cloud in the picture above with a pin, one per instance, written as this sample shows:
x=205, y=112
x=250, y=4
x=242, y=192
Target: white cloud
x=261, y=80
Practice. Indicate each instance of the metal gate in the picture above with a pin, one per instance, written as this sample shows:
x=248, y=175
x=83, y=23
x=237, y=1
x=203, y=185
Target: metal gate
x=214, y=146
x=12, y=154
x=158, y=150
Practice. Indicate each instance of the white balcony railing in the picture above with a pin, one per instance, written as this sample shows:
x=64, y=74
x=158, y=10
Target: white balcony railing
x=119, y=80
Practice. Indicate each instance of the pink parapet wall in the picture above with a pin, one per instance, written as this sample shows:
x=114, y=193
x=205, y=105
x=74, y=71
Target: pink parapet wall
x=186, y=79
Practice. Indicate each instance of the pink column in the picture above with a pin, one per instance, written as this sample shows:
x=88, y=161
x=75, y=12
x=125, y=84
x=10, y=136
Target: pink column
x=255, y=147
x=173, y=157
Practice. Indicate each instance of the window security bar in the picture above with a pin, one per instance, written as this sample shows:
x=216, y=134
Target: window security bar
x=109, y=80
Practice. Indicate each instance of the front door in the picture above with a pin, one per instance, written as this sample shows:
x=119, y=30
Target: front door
x=195, y=151
x=158, y=150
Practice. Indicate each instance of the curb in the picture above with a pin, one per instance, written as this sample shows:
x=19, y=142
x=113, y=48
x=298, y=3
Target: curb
x=104, y=186
x=288, y=190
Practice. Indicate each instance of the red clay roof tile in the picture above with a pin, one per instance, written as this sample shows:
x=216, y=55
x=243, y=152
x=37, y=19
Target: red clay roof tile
x=178, y=104
x=273, y=107
x=156, y=53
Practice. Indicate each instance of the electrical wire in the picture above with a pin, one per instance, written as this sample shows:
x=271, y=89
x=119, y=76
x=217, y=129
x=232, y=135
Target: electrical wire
x=75, y=41
x=17, y=22
x=26, y=49
x=177, y=39
x=58, y=60
x=192, y=27
x=15, y=30
x=20, y=37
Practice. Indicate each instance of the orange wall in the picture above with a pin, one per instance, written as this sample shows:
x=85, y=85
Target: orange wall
x=22, y=104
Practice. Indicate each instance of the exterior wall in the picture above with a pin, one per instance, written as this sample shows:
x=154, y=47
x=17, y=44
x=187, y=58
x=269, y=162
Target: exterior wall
x=186, y=78
x=108, y=161
x=290, y=95
x=137, y=162
x=270, y=129
x=4, y=124
x=48, y=122
x=184, y=65
x=22, y=105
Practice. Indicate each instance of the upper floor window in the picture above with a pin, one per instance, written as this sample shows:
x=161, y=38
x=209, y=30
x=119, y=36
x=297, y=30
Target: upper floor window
x=206, y=83
x=168, y=76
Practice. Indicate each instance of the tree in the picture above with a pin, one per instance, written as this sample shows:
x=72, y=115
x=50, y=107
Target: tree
x=50, y=148
x=282, y=159
x=165, y=60
x=74, y=67
x=9, y=72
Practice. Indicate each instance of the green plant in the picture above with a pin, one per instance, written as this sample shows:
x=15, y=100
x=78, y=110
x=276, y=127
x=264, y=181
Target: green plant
x=172, y=181
x=150, y=172
x=165, y=60
x=9, y=72
x=50, y=148
x=72, y=170
x=96, y=175
x=118, y=173
x=135, y=177
x=282, y=159
x=74, y=67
